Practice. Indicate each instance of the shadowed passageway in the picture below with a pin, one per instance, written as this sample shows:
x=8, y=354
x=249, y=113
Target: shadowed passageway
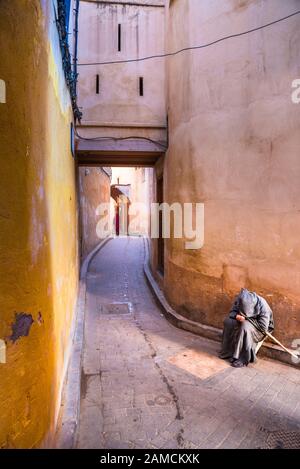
x=147, y=384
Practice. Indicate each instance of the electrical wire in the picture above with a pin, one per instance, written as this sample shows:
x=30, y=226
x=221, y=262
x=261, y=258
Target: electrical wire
x=120, y=138
x=171, y=54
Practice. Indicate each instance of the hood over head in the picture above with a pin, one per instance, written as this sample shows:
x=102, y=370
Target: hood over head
x=247, y=301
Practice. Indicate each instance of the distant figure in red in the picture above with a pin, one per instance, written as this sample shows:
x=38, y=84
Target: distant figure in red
x=117, y=221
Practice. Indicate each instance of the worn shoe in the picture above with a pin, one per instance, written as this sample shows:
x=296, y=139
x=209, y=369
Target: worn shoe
x=238, y=364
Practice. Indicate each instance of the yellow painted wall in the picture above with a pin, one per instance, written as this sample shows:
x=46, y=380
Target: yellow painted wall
x=38, y=223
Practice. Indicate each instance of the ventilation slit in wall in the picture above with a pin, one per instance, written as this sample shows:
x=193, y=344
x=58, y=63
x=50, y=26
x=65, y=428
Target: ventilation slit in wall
x=97, y=84
x=119, y=37
x=141, y=86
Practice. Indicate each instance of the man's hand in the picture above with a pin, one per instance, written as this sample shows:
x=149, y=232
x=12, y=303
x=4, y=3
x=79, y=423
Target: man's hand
x=240, y=318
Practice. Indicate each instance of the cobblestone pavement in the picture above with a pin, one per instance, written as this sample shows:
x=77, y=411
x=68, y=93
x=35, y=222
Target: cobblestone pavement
x=147, y=384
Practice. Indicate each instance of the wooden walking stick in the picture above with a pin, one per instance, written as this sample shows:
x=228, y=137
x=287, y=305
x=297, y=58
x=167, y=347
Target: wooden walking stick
x=293, y=354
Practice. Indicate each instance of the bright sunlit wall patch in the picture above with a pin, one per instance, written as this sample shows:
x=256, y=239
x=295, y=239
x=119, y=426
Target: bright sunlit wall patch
x=2, y=92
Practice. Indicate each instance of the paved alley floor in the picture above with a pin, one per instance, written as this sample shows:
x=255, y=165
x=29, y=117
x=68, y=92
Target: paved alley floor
x=147, y=384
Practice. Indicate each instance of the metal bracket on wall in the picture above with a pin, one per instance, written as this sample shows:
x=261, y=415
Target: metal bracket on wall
x=71, y=75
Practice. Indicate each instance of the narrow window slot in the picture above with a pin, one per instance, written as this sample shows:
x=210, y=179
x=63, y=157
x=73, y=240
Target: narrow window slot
x=141, y=86
x=97, y=84
x=119, y=38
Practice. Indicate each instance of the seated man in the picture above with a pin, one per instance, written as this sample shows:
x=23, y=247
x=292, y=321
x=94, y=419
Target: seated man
x=240, y=337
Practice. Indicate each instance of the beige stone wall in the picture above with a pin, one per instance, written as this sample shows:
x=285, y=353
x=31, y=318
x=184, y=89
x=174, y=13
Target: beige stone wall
x=94, y=189
x=132, y=2
x=234, y=145
x=157, y=173
x=118, y=109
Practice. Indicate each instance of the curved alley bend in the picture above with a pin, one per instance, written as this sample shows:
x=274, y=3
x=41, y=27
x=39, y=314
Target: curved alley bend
x=171, y=123
x=147, y=384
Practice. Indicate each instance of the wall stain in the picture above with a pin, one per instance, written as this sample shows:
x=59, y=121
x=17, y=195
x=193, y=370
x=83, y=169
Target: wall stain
x=21, y=326
x=40, y=319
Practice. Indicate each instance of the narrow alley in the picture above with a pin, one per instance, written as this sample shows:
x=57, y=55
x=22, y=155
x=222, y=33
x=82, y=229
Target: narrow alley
x=147, y=384
x=149, y=228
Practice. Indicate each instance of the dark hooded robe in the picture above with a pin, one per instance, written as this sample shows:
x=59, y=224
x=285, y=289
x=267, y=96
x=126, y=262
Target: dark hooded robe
x=240, y=339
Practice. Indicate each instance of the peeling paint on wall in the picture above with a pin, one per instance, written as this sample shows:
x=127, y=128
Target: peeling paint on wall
x=40, y=319
x=21, y=326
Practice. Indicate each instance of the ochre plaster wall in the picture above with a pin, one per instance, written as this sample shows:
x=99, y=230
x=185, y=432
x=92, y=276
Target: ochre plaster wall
x=234, y=145
x=94, y=190
x=38, y=224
